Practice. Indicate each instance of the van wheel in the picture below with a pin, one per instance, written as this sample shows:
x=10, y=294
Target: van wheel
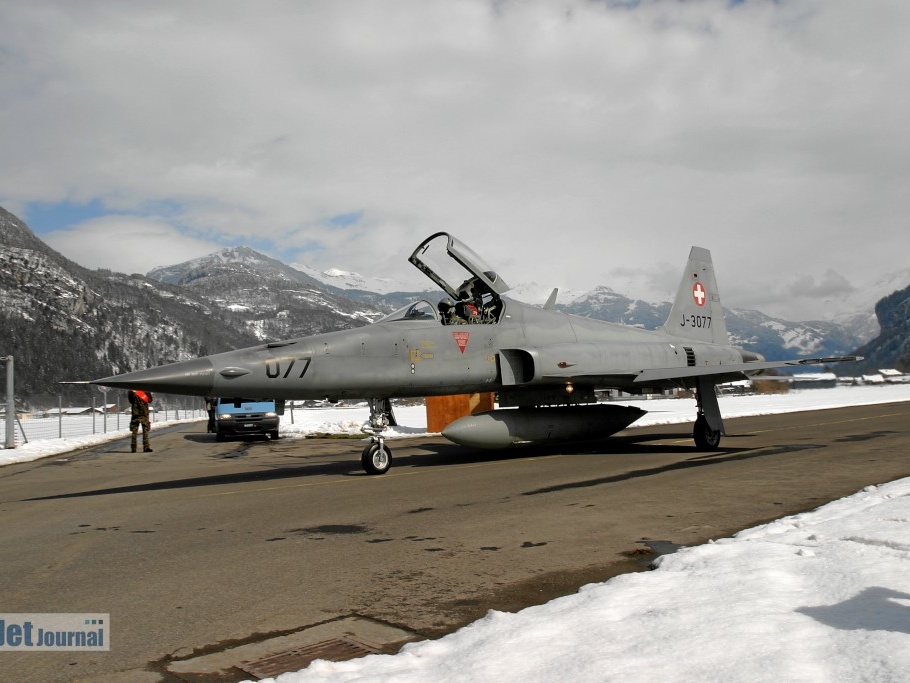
x=376, y=459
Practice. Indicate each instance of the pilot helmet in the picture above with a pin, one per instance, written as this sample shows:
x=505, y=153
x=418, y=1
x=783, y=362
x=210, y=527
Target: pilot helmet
x=445, y=305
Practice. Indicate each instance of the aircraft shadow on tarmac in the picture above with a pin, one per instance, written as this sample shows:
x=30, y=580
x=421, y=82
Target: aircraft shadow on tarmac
x=445, y=454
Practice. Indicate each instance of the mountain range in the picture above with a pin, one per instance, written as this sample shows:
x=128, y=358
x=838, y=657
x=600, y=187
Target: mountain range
x=63, y=322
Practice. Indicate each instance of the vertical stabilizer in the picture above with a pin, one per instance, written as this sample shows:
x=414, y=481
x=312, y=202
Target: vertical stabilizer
x=697, y=314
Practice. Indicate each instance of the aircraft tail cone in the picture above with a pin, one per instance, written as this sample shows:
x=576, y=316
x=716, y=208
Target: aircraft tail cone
x=192, y=377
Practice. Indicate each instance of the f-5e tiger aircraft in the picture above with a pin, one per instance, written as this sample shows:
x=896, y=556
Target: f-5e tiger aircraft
x=544, y=365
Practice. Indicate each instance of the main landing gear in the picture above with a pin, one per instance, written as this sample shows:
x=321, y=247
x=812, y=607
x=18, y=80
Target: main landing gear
x=376, y=457
x=709, y=426
x=706, y=439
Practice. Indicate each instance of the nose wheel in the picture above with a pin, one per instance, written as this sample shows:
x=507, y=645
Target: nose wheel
x=376, y=457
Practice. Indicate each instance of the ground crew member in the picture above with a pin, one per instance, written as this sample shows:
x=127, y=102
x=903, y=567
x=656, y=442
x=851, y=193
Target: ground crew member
x=139, y=404
x=210, y=404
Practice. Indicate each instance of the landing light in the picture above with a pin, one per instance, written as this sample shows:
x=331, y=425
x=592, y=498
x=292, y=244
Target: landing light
x=569, y=388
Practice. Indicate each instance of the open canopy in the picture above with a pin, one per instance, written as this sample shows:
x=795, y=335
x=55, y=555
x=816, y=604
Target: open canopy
x=455, y=267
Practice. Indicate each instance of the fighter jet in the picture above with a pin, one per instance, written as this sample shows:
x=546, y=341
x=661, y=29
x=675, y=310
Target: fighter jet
x=543, y=365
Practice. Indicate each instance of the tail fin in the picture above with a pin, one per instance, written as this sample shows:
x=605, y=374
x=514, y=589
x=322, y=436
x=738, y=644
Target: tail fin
x=697, y=314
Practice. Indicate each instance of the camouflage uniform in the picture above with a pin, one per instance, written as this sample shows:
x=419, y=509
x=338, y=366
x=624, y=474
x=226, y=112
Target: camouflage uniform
x=210, y=405
x=140, y=416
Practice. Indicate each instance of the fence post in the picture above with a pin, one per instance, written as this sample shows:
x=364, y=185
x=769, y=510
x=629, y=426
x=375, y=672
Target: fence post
x=59, y=416
x=104, y=391
x=10, y=403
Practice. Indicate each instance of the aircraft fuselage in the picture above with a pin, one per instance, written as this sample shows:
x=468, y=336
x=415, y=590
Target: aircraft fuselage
x=529, y=347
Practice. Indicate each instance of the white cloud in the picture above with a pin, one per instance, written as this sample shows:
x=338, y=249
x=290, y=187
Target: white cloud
x=127, y=244
x=561, y=140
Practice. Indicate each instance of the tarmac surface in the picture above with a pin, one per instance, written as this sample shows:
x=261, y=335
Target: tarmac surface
x=210, y=557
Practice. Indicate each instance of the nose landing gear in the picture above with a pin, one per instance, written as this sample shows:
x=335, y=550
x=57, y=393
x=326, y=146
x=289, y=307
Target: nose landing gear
x=376, y=457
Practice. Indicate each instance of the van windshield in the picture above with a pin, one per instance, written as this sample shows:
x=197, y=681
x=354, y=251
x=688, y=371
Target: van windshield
x=250, y=404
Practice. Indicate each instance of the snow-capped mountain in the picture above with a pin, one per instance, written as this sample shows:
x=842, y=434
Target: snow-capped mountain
x=603, y=303
x=231, y=261
x=862, y=299
x=275, y=300
x=62, y=322
x=346, y=280
x=778, y=339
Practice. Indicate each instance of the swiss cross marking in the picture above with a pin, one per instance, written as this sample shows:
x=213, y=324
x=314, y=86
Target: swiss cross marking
x=461, y=338
x=699, y=294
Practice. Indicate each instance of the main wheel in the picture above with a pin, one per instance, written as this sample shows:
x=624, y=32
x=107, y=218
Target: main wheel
x=706, y=439
x=376, y=459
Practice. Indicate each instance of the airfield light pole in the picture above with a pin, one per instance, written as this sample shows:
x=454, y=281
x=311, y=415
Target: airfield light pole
x=10, y=403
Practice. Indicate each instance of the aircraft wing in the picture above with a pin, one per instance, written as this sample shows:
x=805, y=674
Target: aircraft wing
x=727, y=372
x=663, y=374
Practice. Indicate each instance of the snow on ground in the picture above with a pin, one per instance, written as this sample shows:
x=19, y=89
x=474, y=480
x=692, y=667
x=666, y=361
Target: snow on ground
x=819, y=596
x=43, y=448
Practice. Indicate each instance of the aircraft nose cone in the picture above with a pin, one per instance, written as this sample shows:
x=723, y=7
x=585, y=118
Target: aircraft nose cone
x=192, y=377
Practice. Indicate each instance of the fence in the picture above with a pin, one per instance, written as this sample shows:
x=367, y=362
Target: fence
x=63, y=422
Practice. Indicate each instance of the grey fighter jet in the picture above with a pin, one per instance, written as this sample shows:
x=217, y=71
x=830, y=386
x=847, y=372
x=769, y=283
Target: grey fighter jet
x=544, y=365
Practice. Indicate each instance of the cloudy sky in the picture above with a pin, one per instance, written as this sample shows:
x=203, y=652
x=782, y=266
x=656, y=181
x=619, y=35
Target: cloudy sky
x=572, y=143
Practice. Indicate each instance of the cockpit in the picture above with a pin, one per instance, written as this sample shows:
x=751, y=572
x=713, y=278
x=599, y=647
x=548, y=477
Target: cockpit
x=447, y=261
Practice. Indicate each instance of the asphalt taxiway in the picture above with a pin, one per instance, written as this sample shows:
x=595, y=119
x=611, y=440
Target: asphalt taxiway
x=208, y=555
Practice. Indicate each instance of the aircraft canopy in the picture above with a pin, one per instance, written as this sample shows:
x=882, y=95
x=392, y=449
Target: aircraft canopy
x=448, y=262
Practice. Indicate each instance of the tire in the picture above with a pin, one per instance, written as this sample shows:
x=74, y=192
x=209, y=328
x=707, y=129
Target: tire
x=376, y=459
x=274, y=435
x=706, y=439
